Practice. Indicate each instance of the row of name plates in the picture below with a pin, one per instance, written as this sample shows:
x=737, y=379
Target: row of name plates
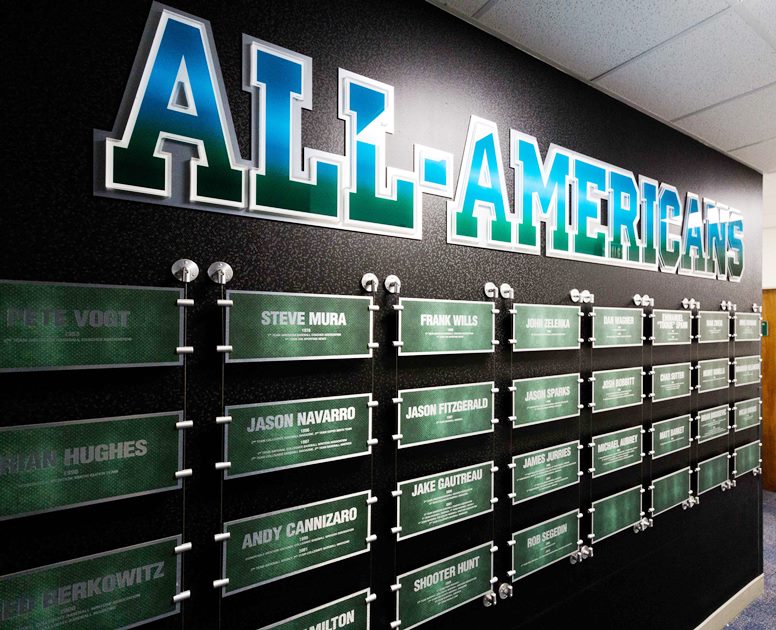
x=64, y=326
x=140, y=583
x=61, y=465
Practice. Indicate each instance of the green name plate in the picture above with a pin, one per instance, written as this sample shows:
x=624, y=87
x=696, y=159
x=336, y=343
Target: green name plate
x=117, y=589
x=263, y=437
x=746, y=413
x=437, y=588
x=445, y=327
x=713, y=422
x=434, y=414
x=545, y=327
x=55, y=326
x=713, y=472
x=617, y=449
x=747, y=370
x=270, y=546
x=546, y=470
x=267, y=326
x=671, y=327
x=431, y=502
x=747, y=458
x=616, y=513
x=747, y=326
x=670, y=490
x=615, y=389
x=669, y=381
x=713, y=374
x=351, y=612
x=544, y=398
x=536, y=547
x=617, y=327
x=713, y=327
x=57, y=465
x=669, y=436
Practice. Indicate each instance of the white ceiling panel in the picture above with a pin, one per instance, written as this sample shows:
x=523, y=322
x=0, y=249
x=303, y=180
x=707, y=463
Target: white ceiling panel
x=764, y=12
x=590, y=37
x=716, y=61
x=737, y=123
x=705, y=67
x=467, y=7
x=761, y=156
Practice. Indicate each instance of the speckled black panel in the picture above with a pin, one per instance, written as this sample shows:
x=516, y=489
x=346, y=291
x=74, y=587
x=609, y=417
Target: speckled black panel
x=67, y=65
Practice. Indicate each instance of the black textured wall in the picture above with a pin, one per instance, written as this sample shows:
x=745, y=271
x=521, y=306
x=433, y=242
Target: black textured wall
x=67, y=66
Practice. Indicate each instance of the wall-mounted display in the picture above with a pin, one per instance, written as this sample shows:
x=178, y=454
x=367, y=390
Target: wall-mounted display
x=615, y=389
x=713, y=374
x=669, y=436
x=746, y=458
x=672, y=380
x=713, y=327
x=441, y=586
x=746, y=413
x=434, y=501
x=263, y=437
x=713, y=422
x=617, y=327
x=747, y=370
x=545, y=470
x=747, y=326
x=544, y=398
x=713, y=472
x=267, y=547
x=360, y=192
x=58, y=465
x=350, y=612
x=269, y=326
x=616, y=450
x=616, y=513
x=671, y=327
x=541, y=545
x=445, y=327
x=545, y=327
x=670, y=490
x=57, y=326
x=434, y=414
x=133, y=585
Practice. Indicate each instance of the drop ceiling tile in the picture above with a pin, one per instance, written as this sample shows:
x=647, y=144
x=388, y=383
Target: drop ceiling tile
x=590, y=37
x=715, y=61
x=764, y=11
x=737, y=123
x=761, y=156
x=467, y=7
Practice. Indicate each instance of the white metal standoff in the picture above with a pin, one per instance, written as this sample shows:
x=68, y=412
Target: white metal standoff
x=185, y=270
x=491, y=290
x=392, y=284
x=507, y=292
x=182, y=596
x=370, y=282
x=220, y=272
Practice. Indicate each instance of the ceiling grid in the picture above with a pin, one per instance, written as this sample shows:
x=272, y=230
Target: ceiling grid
x=704, y=67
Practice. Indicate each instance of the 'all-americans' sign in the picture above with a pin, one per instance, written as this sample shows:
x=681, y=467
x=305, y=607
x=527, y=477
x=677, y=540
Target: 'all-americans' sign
x=176, y=93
